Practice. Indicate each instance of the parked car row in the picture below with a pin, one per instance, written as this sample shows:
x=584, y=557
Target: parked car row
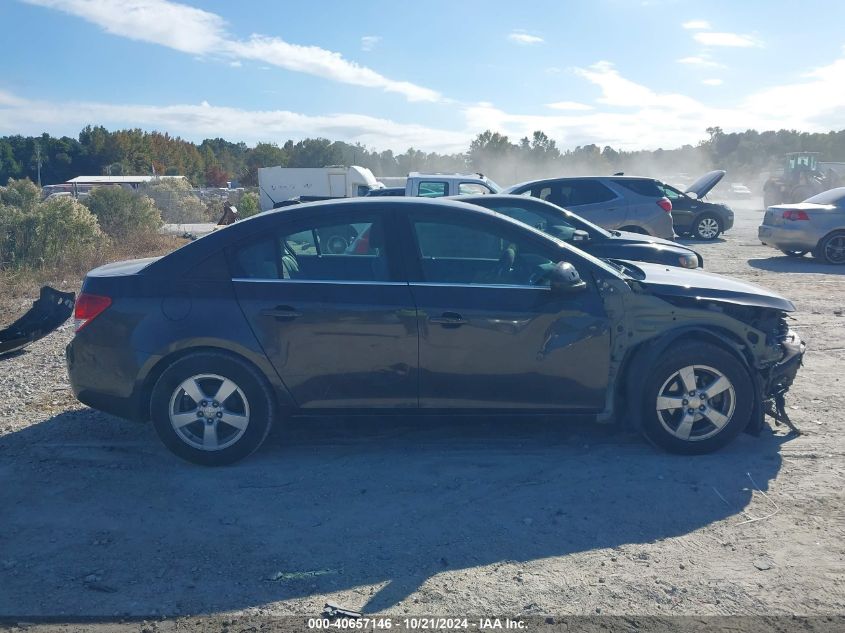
x=621, y=203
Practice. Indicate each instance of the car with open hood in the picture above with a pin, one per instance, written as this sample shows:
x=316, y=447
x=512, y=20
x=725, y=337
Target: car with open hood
x=815, y=226
x=694, y=216
x=448, y=307
x=585, y=235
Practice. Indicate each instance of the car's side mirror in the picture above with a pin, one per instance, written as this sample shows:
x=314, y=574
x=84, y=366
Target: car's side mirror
x=580, y=236
x=564, y=278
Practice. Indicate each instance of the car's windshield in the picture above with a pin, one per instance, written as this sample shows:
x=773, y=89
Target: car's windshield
x=493, y=186
x=832, y=196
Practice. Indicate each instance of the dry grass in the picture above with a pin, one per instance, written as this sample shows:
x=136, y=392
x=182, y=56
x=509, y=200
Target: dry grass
x=19, y=288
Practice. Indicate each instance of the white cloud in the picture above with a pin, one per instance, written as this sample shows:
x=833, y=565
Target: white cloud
x=702, y=61
x=709, y=38
x=176, y=26
x=191, y=30
x=569, y=105
x=695, y=25
x=204, y=120
x=643, y=118
x=369, y=42
x=712, y=82
x=235, y=64
x=521, y=37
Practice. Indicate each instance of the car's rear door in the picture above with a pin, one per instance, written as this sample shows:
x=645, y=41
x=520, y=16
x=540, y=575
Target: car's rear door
x=492, y=334
x=339, y=325
x=596, y=202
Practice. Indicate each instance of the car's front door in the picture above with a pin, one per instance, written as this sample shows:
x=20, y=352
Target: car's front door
x=492, y=333
x=338, y=324
x=684, y=208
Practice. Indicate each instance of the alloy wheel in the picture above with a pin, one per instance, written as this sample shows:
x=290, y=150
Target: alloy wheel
x=707, y=228
x=209, y=412
x=695, y=403
x=834, y=249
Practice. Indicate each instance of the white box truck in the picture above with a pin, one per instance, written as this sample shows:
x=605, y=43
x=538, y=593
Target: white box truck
x=279, y=184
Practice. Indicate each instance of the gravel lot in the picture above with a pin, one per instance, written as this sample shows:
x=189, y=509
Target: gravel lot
x=519, y=516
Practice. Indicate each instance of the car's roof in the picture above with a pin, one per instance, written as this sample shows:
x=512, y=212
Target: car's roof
x=559, y=178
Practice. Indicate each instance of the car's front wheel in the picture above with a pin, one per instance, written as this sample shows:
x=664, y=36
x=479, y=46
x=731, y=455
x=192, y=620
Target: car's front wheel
x=707, y=227
x=698, y=398
x=211, y=408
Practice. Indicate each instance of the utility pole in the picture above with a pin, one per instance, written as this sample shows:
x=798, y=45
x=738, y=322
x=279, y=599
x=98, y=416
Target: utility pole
x=38, y=161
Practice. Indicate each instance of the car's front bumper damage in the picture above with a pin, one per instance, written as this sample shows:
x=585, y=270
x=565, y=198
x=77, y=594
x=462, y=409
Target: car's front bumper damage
x=780, y=378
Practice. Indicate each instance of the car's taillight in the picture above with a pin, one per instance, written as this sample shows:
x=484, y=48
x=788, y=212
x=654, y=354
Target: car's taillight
x=795, y=214
x=665, y=204
x=88, y=307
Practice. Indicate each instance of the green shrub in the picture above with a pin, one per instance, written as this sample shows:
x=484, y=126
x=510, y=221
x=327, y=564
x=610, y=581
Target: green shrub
x=248, y=205
x=23, y=194
x=55, y=233
x=122, y=213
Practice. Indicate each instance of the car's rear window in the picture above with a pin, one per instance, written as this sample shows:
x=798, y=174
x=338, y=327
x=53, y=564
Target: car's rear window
x=643, y=187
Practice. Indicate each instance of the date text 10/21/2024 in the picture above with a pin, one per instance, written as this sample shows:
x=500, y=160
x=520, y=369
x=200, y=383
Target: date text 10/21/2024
x=418, y=624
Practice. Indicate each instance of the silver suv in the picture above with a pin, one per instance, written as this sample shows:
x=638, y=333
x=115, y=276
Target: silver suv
x=613, y=202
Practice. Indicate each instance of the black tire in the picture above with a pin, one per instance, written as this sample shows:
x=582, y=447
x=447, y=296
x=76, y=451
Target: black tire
x=252, y=401
x=793, y=253
x=707, y=227
x=705, y=436
x=830, y=248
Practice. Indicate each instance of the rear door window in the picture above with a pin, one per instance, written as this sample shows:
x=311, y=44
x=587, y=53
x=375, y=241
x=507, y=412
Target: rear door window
x=642, y=186
x=589, y=192
x=328, y=249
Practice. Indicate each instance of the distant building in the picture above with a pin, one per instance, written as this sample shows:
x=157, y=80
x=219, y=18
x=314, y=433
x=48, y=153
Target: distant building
x=82, y=185
x=126, y=181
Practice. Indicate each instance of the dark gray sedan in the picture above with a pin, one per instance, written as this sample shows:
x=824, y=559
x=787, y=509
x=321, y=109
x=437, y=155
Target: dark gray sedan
x=585, y=235
x=444, y=306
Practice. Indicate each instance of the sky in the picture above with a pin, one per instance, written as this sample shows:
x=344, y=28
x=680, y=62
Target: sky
x=430, y=75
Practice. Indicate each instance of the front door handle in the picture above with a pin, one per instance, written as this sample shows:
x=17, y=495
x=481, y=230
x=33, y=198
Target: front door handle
x=282, y=313
x=448, y=319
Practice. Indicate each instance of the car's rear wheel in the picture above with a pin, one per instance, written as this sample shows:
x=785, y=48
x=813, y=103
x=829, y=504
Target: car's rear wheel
x=831, y=248
x=211, y=408
x=698, y=398
x=794, y=253
x=707, y=227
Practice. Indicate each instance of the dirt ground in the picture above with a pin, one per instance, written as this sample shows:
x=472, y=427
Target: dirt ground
x=519, y=516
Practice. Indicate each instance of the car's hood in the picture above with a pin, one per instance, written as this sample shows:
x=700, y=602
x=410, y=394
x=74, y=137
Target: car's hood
x=703, y=185
x=704, y=286
x=639, y=237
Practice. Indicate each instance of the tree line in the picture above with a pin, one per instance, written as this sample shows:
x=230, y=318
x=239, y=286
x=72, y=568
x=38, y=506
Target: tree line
x=214, y=162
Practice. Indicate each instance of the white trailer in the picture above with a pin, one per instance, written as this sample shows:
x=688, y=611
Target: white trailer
x=278, y=184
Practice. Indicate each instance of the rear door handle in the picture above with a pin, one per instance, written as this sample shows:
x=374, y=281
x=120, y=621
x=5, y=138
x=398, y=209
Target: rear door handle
x=282, y=313
x=448, y=319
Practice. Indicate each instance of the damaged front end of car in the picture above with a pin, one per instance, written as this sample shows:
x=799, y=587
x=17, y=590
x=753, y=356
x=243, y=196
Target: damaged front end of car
x=656, y=316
